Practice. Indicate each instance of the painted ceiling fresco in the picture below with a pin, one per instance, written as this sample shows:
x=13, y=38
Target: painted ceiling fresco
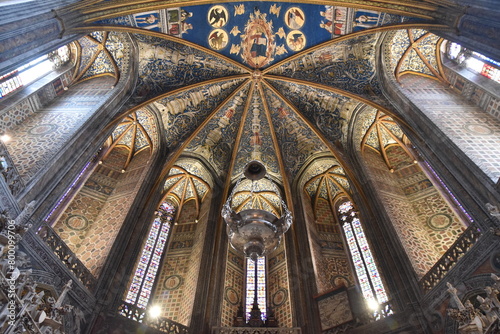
x=271, y=81
x=326, y=180
x=257, y=34
x=166, y=65
x=416, y=51
x=101, y=53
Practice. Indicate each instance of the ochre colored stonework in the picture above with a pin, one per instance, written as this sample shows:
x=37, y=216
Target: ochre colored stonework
x=193, y=270
x=15, y=115
x=278, y=279
x=183, y=259
x=474, y=93
x=235, y=279
x=102, y=203
x=331, y=260
x=412, y=201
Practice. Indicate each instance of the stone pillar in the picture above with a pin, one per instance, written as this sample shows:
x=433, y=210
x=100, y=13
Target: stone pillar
x=476, y=26
x=29, y=30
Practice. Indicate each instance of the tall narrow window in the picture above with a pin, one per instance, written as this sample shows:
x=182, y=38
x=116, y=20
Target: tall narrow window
x=474, y=61
x=256, y=278
x=364, y=264
x=149, y=262
x=32, y=71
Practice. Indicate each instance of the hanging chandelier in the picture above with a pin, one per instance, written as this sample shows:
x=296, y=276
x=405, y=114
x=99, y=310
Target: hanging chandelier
x=252, y=229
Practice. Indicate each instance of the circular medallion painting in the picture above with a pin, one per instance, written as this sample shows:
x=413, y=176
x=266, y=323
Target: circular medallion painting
x=218, y=16
x=340, y=281
x=172, y=282
x=42, y=129
x=77, y=222
x=478, y=129
x=218, y=39
x=439, y=221
x=231, y=296
x=294, y=18
x=280, y=297
x=296, y=40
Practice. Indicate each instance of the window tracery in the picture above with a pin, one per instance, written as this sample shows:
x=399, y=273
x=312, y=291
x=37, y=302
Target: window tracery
x=473, y=61
x=32, y=71
x=149, y=262
x=366, y=270
x=256, y=274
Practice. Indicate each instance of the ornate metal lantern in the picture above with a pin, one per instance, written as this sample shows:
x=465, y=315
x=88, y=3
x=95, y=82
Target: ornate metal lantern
x=253, y=230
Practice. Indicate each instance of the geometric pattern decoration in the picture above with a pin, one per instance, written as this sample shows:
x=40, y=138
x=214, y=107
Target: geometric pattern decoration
x=256, y=141
x=215, y=142
x=183, y=112
x=260, y=195
x=132, y=134
x=320, y=107
x=383, y=136
x=348, y=65
x=166, y=65
x=296, y=141
x=181, y=186
x=99, y=54
x=416, y=51
x=35, y=141
x=328, y=185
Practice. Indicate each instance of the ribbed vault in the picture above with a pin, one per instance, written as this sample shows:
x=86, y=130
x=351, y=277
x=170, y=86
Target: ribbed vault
x=259, y=80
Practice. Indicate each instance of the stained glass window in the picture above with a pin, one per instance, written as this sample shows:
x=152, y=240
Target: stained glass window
x=364, y=264
x=260, y=276
x=32, y=71
x=149, y=262
x=474, y=61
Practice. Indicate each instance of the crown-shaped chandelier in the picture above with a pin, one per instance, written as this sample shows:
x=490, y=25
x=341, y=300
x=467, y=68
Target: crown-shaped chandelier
x=255, y=214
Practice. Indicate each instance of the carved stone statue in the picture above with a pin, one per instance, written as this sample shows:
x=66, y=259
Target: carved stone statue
x=25, y=215
x=493, y=210
x=469, y=319
x=492, y=295
x=487, y=307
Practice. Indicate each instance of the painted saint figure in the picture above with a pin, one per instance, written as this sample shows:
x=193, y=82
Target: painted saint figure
x=151, y=19
x=259, y=45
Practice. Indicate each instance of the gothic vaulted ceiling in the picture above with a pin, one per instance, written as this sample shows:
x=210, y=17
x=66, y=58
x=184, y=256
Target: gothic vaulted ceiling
x=238, y=81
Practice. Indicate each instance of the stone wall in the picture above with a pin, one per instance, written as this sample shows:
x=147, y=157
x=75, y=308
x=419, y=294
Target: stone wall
x=178, y=277
x=91, y=222
x=278, y=286
x=234, y=287
x=38, y=132
x=469, y=127
x=426, y=225
x=333, y=263
x=469, y=85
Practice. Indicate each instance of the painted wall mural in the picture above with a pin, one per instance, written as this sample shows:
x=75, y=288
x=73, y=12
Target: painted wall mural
x=348, y=65
x=415, y=51
x=256, y=142
x=103, y=53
